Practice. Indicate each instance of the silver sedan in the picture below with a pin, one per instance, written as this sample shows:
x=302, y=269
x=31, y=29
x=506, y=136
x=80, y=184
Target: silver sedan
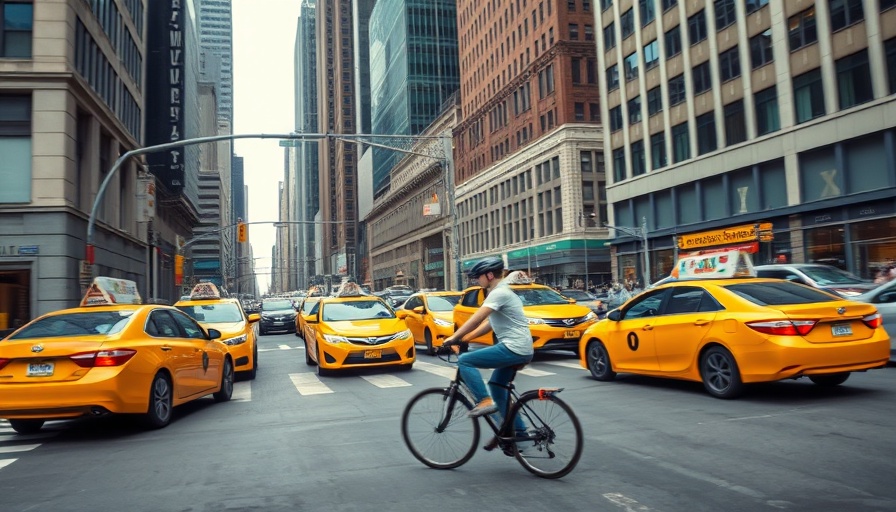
x=884, y=298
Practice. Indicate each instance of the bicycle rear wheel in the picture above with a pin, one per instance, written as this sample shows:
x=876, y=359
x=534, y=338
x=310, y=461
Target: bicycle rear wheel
x=555, y=443
x=438, y=432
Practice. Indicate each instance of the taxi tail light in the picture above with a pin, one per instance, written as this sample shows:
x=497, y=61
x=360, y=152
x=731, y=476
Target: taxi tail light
x=783, y=327
x=4, y=362
x=103, y=358
x=873, y=321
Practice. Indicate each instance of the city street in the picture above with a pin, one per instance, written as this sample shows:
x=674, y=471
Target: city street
x=290, y=441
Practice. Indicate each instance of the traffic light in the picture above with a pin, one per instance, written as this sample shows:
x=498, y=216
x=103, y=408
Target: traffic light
x=242, y=232
x=178, y=268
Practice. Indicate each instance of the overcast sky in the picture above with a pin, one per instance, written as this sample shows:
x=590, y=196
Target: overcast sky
x=263, y=41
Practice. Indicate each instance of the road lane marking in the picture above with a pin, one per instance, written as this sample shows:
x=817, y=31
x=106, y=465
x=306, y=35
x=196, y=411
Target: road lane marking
x=6, y=462
x=242, y=391
x=435, y=369
x=625, y=502
x=285, y=347
x=385, y=381
x=281, y=347
x=308, y=384
x=565, y=364
x=532, y=372
x=18, y=448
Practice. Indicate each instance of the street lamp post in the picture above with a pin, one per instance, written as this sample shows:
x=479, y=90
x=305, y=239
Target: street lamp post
x=639, y=232
x=584, y=220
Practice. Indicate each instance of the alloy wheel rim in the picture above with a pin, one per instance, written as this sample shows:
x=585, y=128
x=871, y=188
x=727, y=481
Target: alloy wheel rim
x=718, y=372
x=162, y=399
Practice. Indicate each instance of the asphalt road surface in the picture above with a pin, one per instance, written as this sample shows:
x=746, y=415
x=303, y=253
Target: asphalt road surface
x=290, y=441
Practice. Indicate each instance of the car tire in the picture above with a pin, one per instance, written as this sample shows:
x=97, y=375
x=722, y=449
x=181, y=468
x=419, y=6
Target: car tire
x=598, y=361
x=427, y=337
x=226, y=390
x=161, y=408
x=254, y=371
x=830, y=380
x=406, y=367
x=308, y=360
x=720, y=374
x=26, y=426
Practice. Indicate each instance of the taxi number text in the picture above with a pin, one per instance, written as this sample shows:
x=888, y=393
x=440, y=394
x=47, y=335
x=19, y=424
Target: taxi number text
x=40, y=369
x=373, y=354
x=841, y=330
x=571, y=334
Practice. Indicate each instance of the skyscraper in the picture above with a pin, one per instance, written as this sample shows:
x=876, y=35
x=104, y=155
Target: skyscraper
x=216, y=37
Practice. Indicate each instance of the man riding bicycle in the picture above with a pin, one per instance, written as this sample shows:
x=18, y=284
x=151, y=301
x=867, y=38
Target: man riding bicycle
x=501, y=312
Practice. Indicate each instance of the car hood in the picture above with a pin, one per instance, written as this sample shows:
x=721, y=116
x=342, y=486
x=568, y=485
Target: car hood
x=373, y=327
x=227, y=328
x=556, y=311
x=279, y=312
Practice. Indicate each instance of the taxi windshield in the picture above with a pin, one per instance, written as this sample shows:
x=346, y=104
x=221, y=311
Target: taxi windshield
x=778, y=293
x=355, y=310
x=76, y=324
x=276, y=305
x=443, y=302
x=539, y=296
x=826, y=276
x=578, y=295
x=308, y=305
x=213, y=313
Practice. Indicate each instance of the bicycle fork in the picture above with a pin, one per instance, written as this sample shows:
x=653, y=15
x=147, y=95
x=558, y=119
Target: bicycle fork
x=448, y=407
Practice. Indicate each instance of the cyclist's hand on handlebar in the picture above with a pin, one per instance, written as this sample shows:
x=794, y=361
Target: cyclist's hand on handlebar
x=454, y=345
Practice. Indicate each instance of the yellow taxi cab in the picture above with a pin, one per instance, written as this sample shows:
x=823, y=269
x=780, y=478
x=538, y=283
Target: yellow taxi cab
x=717, y=324
x=354, y=330
x=430, y=317
x=304, y=309
x=112, y=354
x=556, y=322
x=212, y=311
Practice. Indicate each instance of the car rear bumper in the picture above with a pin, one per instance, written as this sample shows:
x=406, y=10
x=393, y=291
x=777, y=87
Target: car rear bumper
x=73, y=398
x=793, y=361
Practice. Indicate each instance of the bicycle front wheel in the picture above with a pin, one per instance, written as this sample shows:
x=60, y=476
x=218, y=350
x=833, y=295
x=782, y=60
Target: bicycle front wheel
x=438, y=431
x=554, y=436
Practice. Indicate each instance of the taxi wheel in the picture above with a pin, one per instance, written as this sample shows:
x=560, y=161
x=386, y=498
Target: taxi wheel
x=720, y=374
x=834, y=379
x=254, y=371
x=308, y=360
x=427, y=336
x=598, y=360
x=226, y=391
x=26, y=426
x=160, y=408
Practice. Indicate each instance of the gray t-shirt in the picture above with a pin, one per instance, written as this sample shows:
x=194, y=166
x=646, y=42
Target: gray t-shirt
x=508, y=321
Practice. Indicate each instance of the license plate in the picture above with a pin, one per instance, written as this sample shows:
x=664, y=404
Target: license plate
x=841, y=330
x=571, y=334
x=373, y=354
x=40, y=369
x=278, y=323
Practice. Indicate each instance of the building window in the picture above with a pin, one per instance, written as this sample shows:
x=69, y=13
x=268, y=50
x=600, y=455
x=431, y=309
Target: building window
x=571, y=5
x=702, y=80
x=654, y=101
x=676, y=90
x=616, y=118
x=613, y=77
x=735, y=123
x=589, y=32
x=648, y=11
x=574, y=31
x=845, y=12
x=802, y=29
x=681, y=143
x=725, y=13
x=729, y=65
x=761, y=49
x=706, y=133
x=591, y=71
x=630, y=64
x=634, y=110
x=576, y=70
x=579, y=111
x=668, y=4
x=887, y=4
x=638, y=164
x=627, y=22
x=808, y=96
x=586, y=5
x=854, y=80
x=594, y=112
x=16, y=25
x=673, y=41
x=585, y=160
x=767, y=118
x=697, y=27
x=890, y=49
x=618, y=164
x=755, y=5
x=658, y=150
x=605, y=4
x=651, y=55
x=15, y=146
x=610, y=36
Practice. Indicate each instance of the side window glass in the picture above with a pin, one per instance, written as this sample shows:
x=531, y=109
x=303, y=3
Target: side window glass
x=163, y=325
x=413, y=302
x=190, y=327
x=646, y=306
x=684, y=299
x=470, y=298
x=709, y=303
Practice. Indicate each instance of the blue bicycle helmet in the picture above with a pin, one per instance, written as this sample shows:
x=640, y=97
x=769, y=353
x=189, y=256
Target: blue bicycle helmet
x=492, y=264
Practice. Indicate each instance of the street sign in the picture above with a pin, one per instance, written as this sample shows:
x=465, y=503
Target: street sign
x=289, y=143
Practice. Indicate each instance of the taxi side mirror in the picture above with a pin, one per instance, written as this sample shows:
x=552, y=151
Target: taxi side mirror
x=401, y=313
x=254, y=317
x=614, y=315
x=214, y=334
x=312, y=319
x=419, y=310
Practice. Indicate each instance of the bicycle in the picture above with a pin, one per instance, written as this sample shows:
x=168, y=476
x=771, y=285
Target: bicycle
x=439, y=433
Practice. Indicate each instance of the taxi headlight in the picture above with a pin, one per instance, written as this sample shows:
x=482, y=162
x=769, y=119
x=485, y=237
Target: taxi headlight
x=402, y=335
x=590, y=316
x=333, y=338
x=235, y=340
x=535, y=321
x=442, y=323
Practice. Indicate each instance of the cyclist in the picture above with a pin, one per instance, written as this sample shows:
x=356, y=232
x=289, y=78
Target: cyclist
x=502, y=312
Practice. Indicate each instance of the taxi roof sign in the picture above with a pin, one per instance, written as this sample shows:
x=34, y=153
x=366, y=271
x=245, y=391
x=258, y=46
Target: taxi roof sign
x=106, y=291
x=350, y=289
x=720, y=265
x=205, y=291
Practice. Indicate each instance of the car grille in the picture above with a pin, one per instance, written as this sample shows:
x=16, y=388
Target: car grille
x=564, y=322
x=372, y=340
x=358, y=358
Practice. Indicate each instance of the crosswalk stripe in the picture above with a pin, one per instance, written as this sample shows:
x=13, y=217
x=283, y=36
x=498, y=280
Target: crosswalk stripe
x=242, y=391
x=532, y=372
x=6, y=462
x=285, y=347
x=435, y=369
x=18, y=448
x=308, y=384
x=565, y=364
x=385, y=381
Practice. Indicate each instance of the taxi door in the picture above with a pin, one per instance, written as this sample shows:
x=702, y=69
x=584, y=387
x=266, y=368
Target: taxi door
x=632, y=338
x=413, y=319
x=687, y=319
x=182, y=357
x=466, y=307
x=211, y=361
x=310, y=333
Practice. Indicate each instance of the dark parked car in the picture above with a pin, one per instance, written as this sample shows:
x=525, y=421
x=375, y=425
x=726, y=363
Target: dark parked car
x=825, y=277
x=277, y=315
